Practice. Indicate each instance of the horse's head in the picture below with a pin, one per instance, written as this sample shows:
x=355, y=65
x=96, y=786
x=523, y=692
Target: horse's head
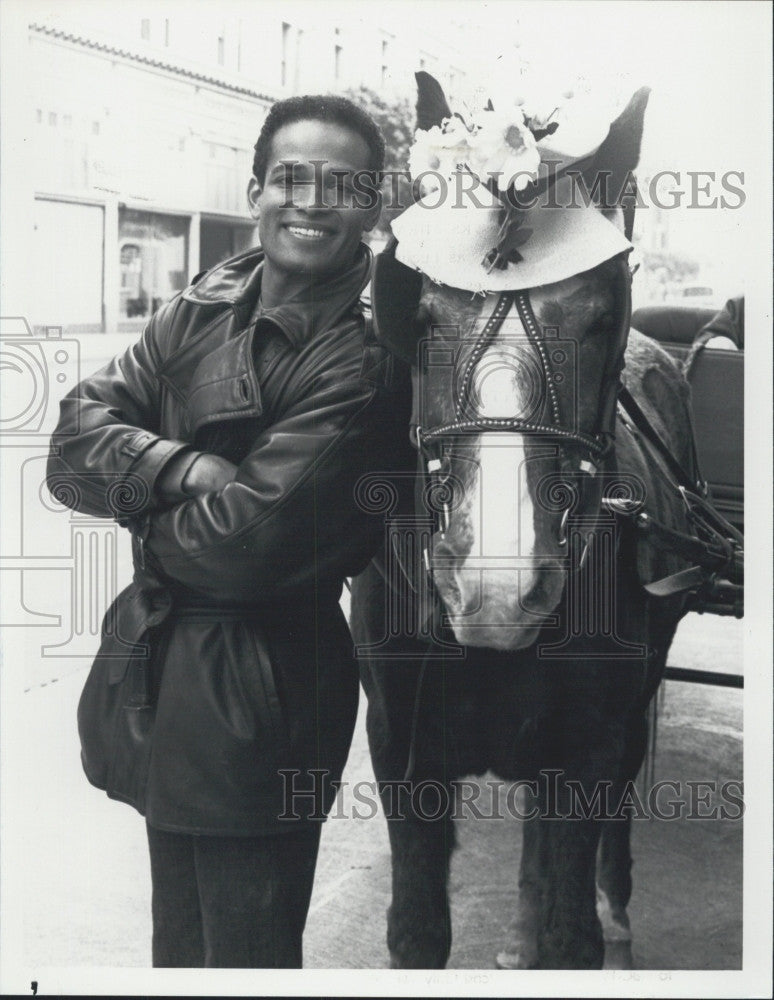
x=516, y=383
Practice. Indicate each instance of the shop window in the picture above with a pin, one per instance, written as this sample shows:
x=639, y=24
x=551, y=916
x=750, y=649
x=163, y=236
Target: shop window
x=153, y=254
x=71, y=295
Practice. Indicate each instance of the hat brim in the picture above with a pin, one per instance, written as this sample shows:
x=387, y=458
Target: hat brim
x=447, y=240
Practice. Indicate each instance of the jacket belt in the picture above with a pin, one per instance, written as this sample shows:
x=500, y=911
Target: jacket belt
x=208, y=611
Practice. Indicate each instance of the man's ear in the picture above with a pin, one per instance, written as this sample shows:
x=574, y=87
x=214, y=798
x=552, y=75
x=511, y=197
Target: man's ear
x=254, y=192
x=373, y=213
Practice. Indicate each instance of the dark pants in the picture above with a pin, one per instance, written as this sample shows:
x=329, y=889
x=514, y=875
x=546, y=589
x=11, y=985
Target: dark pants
x=231, y=902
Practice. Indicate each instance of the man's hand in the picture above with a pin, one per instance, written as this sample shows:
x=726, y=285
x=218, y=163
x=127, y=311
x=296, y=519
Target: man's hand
x=187, y=476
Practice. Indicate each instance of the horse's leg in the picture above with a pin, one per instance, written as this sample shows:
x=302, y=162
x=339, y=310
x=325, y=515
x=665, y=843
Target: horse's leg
x=569, y=931
x=521, y=952
x=419, y=919
x=588, y=746
x=556, y=926
x=614, y=867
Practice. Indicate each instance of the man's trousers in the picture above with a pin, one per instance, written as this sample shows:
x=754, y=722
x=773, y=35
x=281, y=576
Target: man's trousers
x=231, y=902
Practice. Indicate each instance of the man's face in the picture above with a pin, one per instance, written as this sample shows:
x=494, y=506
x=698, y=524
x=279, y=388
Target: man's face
x=311, y=220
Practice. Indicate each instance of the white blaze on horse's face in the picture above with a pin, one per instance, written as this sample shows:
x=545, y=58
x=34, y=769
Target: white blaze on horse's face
x=499, y=566
x=486, y=566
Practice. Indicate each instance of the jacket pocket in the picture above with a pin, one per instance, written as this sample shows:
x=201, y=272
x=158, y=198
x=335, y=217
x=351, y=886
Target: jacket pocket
x=269, y=704
x=116, y=710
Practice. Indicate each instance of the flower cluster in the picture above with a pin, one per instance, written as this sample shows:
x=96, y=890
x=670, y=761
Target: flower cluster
x=504, y=148
x=496, y=145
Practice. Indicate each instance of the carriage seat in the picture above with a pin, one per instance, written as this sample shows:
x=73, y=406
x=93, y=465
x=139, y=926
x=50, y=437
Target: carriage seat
x=674, y=327
x=717, y=392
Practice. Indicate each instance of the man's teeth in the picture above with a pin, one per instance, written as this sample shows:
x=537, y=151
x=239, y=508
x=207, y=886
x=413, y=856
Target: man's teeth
x=305, y=231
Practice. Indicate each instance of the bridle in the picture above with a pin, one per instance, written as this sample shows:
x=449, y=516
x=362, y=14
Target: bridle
x=596, y=447
x=714, y=545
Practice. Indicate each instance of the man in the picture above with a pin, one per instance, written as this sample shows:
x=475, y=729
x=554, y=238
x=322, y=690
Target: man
x=231, y=439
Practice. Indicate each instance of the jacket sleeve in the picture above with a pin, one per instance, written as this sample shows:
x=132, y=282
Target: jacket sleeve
x=106, y=452
x=292, y=518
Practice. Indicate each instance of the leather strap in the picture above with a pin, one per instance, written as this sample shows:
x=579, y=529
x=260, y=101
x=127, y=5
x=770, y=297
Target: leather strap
x=632, y=409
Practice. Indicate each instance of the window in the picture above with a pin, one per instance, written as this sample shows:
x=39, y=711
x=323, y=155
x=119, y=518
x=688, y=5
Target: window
x=52, y=118
x=285, y=54
x=166, y=31
x=221, y=50
x=145, y=29
x=153, y=252
x=385, y=69
x=338, y=48
x=71, y=295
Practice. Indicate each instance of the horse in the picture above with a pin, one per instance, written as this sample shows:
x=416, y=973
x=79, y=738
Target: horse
x=528, y=645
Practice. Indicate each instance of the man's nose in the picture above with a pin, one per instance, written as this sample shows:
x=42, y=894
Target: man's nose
x=313, y=197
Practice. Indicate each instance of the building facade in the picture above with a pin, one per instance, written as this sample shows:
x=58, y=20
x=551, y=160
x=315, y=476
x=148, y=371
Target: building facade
x=141, y=128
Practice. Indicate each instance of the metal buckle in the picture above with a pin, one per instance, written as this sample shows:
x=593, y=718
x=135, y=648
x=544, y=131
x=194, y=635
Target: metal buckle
x=563, y=528
x=585, y=551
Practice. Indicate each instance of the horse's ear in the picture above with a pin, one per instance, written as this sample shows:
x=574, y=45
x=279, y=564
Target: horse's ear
x=620, y=152
x=432, y=106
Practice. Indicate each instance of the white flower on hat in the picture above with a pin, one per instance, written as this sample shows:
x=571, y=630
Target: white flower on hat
x=503, y=145
x=442, y=150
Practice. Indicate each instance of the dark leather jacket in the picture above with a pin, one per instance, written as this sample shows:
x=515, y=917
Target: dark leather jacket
x=235, y=594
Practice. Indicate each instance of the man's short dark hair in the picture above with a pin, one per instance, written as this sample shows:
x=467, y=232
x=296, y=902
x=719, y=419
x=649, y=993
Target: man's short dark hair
x=323, y=108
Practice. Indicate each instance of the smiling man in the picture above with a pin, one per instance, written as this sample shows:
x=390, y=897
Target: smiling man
x=230, y=440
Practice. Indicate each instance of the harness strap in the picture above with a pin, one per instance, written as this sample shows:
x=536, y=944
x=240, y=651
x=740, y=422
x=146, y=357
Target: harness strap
x=632, y=409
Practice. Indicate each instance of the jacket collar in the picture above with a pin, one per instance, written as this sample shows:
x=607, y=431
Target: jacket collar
x=237, y=282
